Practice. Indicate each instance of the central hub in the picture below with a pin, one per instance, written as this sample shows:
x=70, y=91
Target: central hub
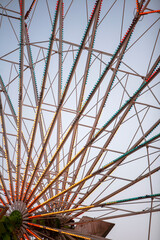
x=16, y=219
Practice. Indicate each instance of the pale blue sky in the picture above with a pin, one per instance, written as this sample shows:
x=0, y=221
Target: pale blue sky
x=135, y=62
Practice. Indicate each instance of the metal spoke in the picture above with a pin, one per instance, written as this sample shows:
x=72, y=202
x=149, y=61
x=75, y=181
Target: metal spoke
x=42, y=93
x=79, y=111
x=59, y=107
x=7, y=151
x=19, y=118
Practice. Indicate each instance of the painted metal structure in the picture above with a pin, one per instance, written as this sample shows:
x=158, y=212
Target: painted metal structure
x=89, y=133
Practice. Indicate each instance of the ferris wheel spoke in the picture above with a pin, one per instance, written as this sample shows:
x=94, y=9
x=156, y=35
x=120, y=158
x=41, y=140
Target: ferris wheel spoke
x=138, y=128
x=153, y=50
x=4, y=188
x=150, y=179
x=22, y=234
x=130, y=214
x=119, y=162
x=122, y=22
x=143, y=8
x=7, y=152
x=41, y=126
x=81, y=148
x=64, y=238
x=143, y=34
x=60, y=64
x=8, y=16
x=2, y=201
x=101, y=205
x=23, y=139
x=34, y=83
x=58, y=231
x=87, y=101
x=42, y=234
x=8, y=100
x=60, y=105
x=27, y=236
x=10, y=164
x=150, y=220
x=128, y=107
x=128, y=104
x=122, y=189
x=19, y=118
x=33, y=234
x=35, y=96
x=150, y=90
x=29, y=10
x=115, y=166
x=99, y=156
x=115, y=209
x=139, y=122
x=114, y=162
x=86, y=71
x=54, y=26
x=96, y=122
x=2, y=152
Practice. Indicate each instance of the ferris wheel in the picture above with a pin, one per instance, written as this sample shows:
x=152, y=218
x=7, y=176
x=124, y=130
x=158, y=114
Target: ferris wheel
x=80, y=126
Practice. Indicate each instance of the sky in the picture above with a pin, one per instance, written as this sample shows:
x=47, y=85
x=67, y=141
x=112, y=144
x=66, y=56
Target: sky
x=141, y=53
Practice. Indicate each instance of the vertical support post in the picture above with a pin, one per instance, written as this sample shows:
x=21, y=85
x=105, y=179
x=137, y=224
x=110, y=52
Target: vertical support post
x=59, y=87
x=19, y=119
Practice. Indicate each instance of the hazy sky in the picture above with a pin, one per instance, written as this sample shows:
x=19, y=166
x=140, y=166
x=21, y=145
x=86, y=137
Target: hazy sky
x=141, y=53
